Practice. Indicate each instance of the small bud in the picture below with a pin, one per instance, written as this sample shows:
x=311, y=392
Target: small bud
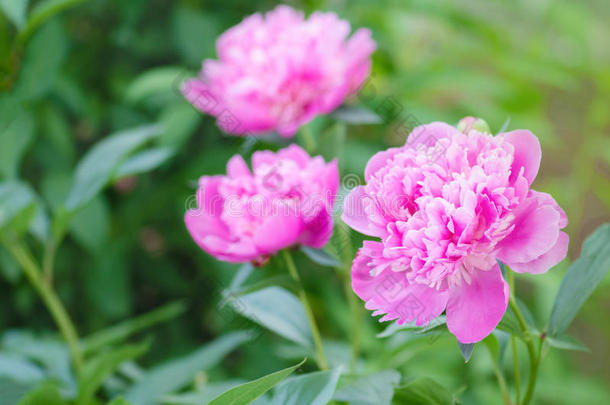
x=467, y=124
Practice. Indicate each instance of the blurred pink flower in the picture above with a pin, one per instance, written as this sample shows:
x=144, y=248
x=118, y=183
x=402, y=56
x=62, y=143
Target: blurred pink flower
x=277, y=72
x=446, y=206
x=248, y=215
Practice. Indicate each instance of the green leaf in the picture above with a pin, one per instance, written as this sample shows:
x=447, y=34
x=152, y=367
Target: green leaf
x=203, y=395
x=504, y=126
x=580, y=280
x=374, y=389
x=118, y=401
x=100, y=163
x=175, y=374
x=277, y=310
x=19, y=369
x=312, y=389
x=16, y=136
x=90, y=224
x=154, y=82
x=102, y=366
x=17, y=204
x=435, y=326
x=321, y=257
x=42, y=12
x=15, y=10
x=124, y=330
x=248, y=392
x=13, y=391
x=44, y=55
x=566, y=342
x=423, y=391
x=45, y=395
x=356, y=115
x=144, y=161
x=466, y=350
x=510, y=324
x=179, y=121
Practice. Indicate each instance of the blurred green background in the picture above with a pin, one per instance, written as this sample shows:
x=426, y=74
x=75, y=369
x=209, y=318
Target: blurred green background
x=103, y=66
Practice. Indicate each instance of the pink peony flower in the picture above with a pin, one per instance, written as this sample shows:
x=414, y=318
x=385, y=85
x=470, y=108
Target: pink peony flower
x=446, y=206
x=248, y=215
x=277, y=72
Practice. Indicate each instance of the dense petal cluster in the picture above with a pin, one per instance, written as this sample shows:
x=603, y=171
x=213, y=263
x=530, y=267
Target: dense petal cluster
x=247, y=215
x=278, y=71
x=446, y=207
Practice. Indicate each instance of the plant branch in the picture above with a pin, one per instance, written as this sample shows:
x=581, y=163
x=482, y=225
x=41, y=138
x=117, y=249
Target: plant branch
x=317, y=340
x=50, y=298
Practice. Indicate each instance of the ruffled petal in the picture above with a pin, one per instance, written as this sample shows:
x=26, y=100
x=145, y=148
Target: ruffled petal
x=389, y=293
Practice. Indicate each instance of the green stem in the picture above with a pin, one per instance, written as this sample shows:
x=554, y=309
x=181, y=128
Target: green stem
x=511, y=283
x=317, y=340
x=308, y=139
x=48, y=260
x=355, y=308
x=50, y=298
x=534, y=356
x=500, y=378
x=516, y=369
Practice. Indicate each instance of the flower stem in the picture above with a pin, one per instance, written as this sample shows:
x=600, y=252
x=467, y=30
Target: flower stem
x=534, y=355
x=48, y=260
x=500, y=378
x=50, y=298
x=516, y=369
x=317, y=340
x=308, y=139
x=355, y=309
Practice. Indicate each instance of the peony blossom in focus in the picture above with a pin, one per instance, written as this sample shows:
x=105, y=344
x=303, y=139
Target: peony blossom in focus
x=278, y=71
x=248, y=215
x=446, y=207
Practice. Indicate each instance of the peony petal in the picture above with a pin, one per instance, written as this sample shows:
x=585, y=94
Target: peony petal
x=357, y=209
x=535, y=233
x=379, y=160
x=295, y=153
x=544, y=262
x=237, y=167
x=475, y=309
x=527, y=153
x=547, y=199
x=390, y=294
x=317, y=230
x=278, y=232
x=429, y=134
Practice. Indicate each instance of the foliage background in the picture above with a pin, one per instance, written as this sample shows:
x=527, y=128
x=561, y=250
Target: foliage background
x=87, y=73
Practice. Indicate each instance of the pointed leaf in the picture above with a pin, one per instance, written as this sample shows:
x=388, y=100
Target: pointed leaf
x=100, y=163
x=321, y=257
x=466, y=350
x=566, y=342
x=248, y=392
x=580, y=280
x=423, y=391
x=175, y=374
x=277, y=310
x=374, y=389
x=144, y=161
x=356, y=115
x=312, y=389
x=102, y=366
